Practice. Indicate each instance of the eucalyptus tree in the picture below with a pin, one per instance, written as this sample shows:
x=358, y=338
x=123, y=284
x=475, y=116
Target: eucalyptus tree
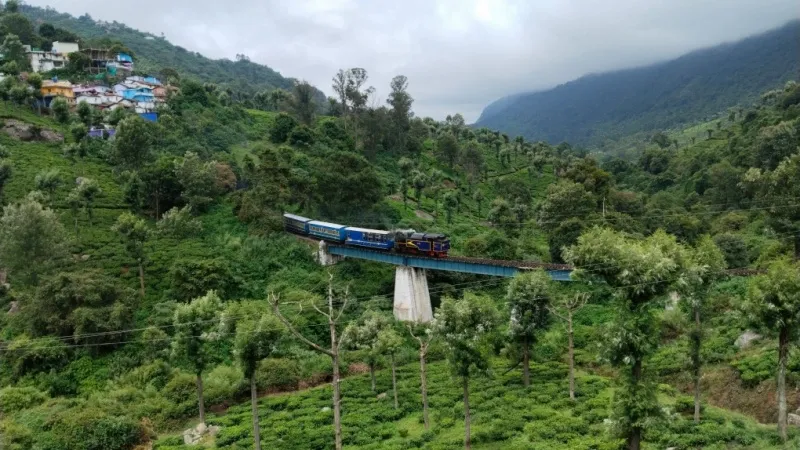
x=564, y=308
x=528, y=297
x=255, y=340
x=194, y=325
x=363, y=335
x=463, y=325
x=638, y=272
x=134, y=233
x=704, y=265
x=423, y=334
x=773, y=304
x=332, y=315
x=390, y=342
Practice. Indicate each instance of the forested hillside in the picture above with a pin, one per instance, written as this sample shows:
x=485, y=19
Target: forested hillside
x=150, y=297
x=694, y=87
x=155, y=53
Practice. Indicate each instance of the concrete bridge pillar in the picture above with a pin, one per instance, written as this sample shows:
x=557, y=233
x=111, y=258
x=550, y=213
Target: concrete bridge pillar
x=324, y=257
x=412, y=301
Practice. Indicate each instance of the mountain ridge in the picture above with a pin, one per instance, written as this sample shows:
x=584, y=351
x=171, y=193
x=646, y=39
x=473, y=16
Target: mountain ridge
x=664, y=95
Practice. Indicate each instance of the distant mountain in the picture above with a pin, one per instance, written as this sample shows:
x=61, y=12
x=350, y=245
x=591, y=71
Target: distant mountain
x=687, y=89
x=155, y=52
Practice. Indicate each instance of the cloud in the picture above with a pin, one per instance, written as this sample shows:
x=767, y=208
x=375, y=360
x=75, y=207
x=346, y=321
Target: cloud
x=458, y=55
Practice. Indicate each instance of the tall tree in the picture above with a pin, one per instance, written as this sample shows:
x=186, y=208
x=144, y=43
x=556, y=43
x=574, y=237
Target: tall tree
x=332, y=316
x=193, y=324
x=363, y=335
x=133, y=142
x=447, y=147
x=463, y=326
x=479, y=198
x=86, y=192
x=638, y=271
x=704, y=265
x=134, y=233
x=528, y=297
x=303, y=104
x=31, y=239
x=197, y=181
x=60, y=109
x=390, y=342
x=773, y=304
x=779, y=190
x=400, y=101
x=565, y=308
x=450, y=201
x=420, y=181
x=13, y=51
x=255, y=340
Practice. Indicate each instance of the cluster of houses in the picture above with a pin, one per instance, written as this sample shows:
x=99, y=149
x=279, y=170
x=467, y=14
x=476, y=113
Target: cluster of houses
x=100, y=60
x=140, y=94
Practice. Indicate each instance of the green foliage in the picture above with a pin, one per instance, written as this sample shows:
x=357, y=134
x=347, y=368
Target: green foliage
x=179, y=223
x=278, y=373
x=13, y=399
x=191, y=278
x=463, y=325
x=197, y=181
x=133, y=142
x=31, y=240
x=284, y=124
x=193, y=324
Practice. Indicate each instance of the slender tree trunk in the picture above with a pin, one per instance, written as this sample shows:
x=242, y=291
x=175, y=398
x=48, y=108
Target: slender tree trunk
x=158, y=210
x=696, y=363
x=337, y=414
x=635, y=433
x=526, y=363
x=394, y=383
x=337, y=403
x=141, y=278
x=797, y=247
x=254, y=408
x=783, y=353
x=571, y=352
x=424, y=383
x=467, y=440
x=372, y=376
x=200, y=403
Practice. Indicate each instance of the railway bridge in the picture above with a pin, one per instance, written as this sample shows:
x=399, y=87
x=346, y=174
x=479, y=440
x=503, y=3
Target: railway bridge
x=412, y=301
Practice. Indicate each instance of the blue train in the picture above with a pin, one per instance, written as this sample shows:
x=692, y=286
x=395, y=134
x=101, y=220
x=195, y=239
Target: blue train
x=401, y=241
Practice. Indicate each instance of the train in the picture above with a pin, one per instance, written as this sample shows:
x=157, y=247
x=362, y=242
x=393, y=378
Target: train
x=409, y=241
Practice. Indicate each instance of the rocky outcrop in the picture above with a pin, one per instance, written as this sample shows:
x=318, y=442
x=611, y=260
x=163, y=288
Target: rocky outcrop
x=193, y=436
x=746, y=339
x=28, y=132
x=794, y=419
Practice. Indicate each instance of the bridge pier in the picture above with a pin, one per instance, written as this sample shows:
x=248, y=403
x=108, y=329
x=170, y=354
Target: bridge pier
x=412, y=301
x=324, y=257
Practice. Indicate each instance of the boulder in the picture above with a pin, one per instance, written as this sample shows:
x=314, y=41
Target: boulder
x=28, y=132
x=746, y=339
x=382, y=396
x=193, y=436
x=794, y=419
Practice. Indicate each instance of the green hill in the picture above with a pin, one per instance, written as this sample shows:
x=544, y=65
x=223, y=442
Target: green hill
x=88, y=360
x=154, y=53
x=695, y=87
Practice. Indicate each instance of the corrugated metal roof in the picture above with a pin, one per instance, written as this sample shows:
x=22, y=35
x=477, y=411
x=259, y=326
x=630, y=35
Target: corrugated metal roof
x=367, y=230
x=296, y=217
x=326, y=224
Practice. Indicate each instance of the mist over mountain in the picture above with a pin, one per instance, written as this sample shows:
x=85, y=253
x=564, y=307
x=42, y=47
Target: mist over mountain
x=692, y=87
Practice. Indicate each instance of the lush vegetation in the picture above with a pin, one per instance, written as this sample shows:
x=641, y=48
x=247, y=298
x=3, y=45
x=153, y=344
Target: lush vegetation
x=695, y=87
x=148, y=282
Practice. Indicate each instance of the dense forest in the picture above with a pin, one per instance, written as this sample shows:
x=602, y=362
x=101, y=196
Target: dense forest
x=149, y=287
x=695, y=87
x=153, y=54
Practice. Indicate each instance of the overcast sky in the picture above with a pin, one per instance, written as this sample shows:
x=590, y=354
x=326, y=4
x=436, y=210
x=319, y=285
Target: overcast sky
x=459, y=55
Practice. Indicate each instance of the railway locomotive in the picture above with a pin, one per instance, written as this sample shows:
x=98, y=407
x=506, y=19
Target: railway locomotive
x=435, y=245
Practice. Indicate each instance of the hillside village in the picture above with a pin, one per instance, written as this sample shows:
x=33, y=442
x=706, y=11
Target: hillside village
x=110, y=84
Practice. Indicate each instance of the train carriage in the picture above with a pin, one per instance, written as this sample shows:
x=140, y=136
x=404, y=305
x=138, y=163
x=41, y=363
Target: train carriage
x=431, y=244
x=295, y=224
x=365, y=237
x=327, y=231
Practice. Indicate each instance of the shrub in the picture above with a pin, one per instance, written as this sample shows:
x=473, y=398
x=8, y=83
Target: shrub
x=14, y=399
x=734, y=249
x=278, y=373
x=223, y=383
x=180, y=388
